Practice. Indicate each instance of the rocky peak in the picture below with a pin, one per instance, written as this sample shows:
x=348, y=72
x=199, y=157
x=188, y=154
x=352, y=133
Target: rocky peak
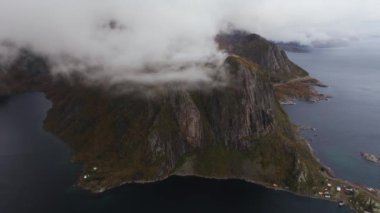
x=261, y=51
x=155, y=133
x=218, y=131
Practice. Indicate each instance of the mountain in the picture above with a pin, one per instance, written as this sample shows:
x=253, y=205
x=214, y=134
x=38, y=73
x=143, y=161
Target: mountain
x=289, y=80
x=236, y=129
x=258, y=50
x=294, y=47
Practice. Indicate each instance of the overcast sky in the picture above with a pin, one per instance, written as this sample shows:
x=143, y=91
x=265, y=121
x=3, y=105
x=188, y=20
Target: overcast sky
x=168, y=35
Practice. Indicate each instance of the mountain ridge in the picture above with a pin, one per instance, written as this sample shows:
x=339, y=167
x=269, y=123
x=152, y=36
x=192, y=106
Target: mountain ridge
x=267, y=54
x=238, y=130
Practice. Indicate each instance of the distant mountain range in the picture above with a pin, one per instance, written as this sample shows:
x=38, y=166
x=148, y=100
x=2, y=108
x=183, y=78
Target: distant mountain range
x=294, y=47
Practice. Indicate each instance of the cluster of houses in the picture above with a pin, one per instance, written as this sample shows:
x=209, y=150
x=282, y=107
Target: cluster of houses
x=88, y=176
x=329, y=191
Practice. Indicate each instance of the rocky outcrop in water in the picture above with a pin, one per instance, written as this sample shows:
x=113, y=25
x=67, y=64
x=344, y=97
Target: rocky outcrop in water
x=370, y=157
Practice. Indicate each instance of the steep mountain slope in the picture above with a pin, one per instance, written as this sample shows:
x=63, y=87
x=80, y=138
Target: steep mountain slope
x=234, y=130
x=217, y=132
x=289, y=80
x=263, y=52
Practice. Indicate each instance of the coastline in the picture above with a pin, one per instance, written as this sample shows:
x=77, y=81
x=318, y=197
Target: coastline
x=302, y=88
x=262, y=184
x=326, y=172
x=265, y=185
x=329, y=176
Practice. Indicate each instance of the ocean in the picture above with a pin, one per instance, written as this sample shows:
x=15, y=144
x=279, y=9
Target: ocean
x=349, y=123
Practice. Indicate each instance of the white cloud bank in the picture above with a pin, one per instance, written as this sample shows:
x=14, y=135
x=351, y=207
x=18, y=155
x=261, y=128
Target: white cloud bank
x=169, y=40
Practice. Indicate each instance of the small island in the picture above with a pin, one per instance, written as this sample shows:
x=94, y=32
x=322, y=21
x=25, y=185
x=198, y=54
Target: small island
x=370, y=157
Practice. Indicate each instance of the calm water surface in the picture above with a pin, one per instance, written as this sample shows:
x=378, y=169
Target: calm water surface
x=36, y=176
x=350, y=122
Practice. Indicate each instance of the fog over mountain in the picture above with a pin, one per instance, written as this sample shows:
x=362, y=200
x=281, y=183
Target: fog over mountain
x=168, y=40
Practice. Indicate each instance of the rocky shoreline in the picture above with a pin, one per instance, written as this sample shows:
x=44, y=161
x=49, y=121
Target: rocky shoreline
x=302, y=88
x=342, y=191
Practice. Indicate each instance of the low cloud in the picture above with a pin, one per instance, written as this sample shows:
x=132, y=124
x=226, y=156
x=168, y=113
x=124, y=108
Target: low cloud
x=167, y=40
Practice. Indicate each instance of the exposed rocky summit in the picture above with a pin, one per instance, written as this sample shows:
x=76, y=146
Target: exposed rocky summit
x=263, y=52
x=289, y=80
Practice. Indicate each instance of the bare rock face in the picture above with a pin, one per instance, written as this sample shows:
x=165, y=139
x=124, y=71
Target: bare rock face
x=235, y=130
x=263, y=52
x=148, y=136
x=188, y=118
x=242, y=109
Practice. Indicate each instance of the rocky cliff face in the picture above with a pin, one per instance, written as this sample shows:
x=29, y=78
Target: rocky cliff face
x=237, y=130
x=233, y=131
x=263, y=52
x=217, y=132
x=173, y=122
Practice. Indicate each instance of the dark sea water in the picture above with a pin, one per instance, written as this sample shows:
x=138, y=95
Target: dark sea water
x=36, y=176
x=350, y=122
